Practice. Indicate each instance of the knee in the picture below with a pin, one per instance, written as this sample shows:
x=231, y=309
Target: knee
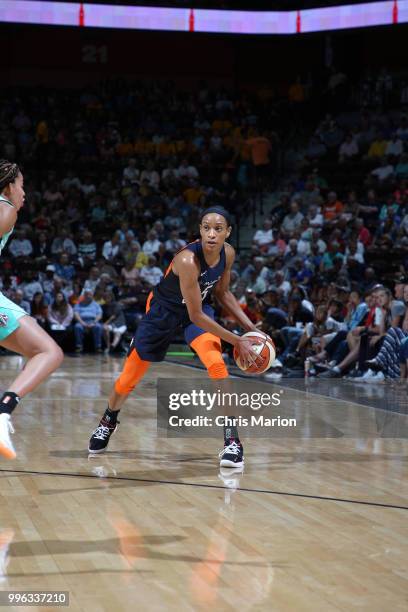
x=78, y=326
x=57, y=355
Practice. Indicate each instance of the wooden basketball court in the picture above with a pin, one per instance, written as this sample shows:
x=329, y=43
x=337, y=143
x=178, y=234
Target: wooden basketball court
x=313, y=524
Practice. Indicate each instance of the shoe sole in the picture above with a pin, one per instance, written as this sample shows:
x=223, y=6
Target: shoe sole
x=231, y=464
x=7, y=452
x=101, y=450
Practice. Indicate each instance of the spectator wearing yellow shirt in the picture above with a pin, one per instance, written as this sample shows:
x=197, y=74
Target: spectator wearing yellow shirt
x=377, y=148
x=193, y=192
x=42, y=132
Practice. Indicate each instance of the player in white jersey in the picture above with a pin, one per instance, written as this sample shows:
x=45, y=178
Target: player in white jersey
x=19, y=332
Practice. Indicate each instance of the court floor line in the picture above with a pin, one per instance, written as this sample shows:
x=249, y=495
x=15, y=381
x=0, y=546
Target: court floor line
x=205, y=486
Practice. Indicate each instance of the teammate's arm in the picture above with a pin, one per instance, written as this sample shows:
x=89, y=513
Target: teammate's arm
x=187, y=272
x=8, y=217
x=226, y=298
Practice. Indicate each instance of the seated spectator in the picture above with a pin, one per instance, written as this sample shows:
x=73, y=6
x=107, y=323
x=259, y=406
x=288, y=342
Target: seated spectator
x=314, y=217
x=316, y=148
x=174, y=221
x=111, y=248
x=88, y=187
x=150, y=176
x=152, y=246
x=377, y=148
x=131, y=173
x=348, y=149
x=173, y=244
x=401, y=169
x=332, y=208
x=383, y=172
x=41, y=249
x=92, y=280
x=129, y=273
x=64, y=269
x=87, y=249
x=52, y=195
x=187, y=171
x=18, y=298
x=151, y=273
x=87, y=315
x=291, y=222
x=62, y=243
x=263, y=238
x=60, y=316
x=394, y=147
x=298, y=316
x=31, y=285
x=20, y=246
x=363, y=233
x=113, y=322
x=39, y=309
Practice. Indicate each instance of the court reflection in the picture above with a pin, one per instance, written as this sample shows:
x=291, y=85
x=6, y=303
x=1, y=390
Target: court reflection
x=210, y=577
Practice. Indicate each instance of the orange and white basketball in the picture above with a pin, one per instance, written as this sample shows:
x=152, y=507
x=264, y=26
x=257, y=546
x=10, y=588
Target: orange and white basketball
x=266, y=350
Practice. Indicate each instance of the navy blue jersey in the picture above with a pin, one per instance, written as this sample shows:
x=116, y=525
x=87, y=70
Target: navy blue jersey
x=167, y=292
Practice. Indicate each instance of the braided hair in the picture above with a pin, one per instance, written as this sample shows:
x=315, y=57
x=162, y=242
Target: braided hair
x=8, y=173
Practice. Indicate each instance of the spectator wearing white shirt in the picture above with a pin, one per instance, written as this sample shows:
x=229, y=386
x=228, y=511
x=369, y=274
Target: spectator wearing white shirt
x=111, y=248
x=263, y=238
x=186, y=171
x=20, y=246
x=348, y=149
x=150, y=175
x=174, y=220
x=174, y=243
x=63, y=244
x=292, y=221
x=31, y=286
x=88, y=188
x=171, y=172
x=282, y=285
x=394, y=147
x=315, y=217
x=353, y=253
x=70, y=181
x=151, y=273
x=130, y=173
x=383, y=172
x=152, y=245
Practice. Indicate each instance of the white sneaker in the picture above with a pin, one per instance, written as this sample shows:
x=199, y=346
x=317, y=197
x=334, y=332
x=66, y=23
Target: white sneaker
x=367, y=375
x=6, y=428
x=378, y=377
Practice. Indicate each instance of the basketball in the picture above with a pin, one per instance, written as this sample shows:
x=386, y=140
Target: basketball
x=266, y=350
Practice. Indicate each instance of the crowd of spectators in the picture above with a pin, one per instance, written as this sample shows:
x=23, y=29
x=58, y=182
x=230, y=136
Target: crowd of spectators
x=114, y=192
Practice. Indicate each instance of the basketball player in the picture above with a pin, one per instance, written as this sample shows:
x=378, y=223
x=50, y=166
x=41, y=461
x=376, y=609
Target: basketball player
x=181, y=300
x=19, y=332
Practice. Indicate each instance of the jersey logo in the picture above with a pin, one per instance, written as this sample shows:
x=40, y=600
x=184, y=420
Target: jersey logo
x=204, y=290
x=3, y=320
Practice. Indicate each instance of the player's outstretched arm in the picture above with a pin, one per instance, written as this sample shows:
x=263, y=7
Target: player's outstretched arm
x=226, y=298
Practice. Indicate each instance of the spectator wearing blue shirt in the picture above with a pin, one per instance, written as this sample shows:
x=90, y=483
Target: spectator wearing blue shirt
x=64, y=269
x=88, y=314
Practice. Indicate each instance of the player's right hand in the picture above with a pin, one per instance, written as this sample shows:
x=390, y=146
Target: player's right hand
x=246, y=353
